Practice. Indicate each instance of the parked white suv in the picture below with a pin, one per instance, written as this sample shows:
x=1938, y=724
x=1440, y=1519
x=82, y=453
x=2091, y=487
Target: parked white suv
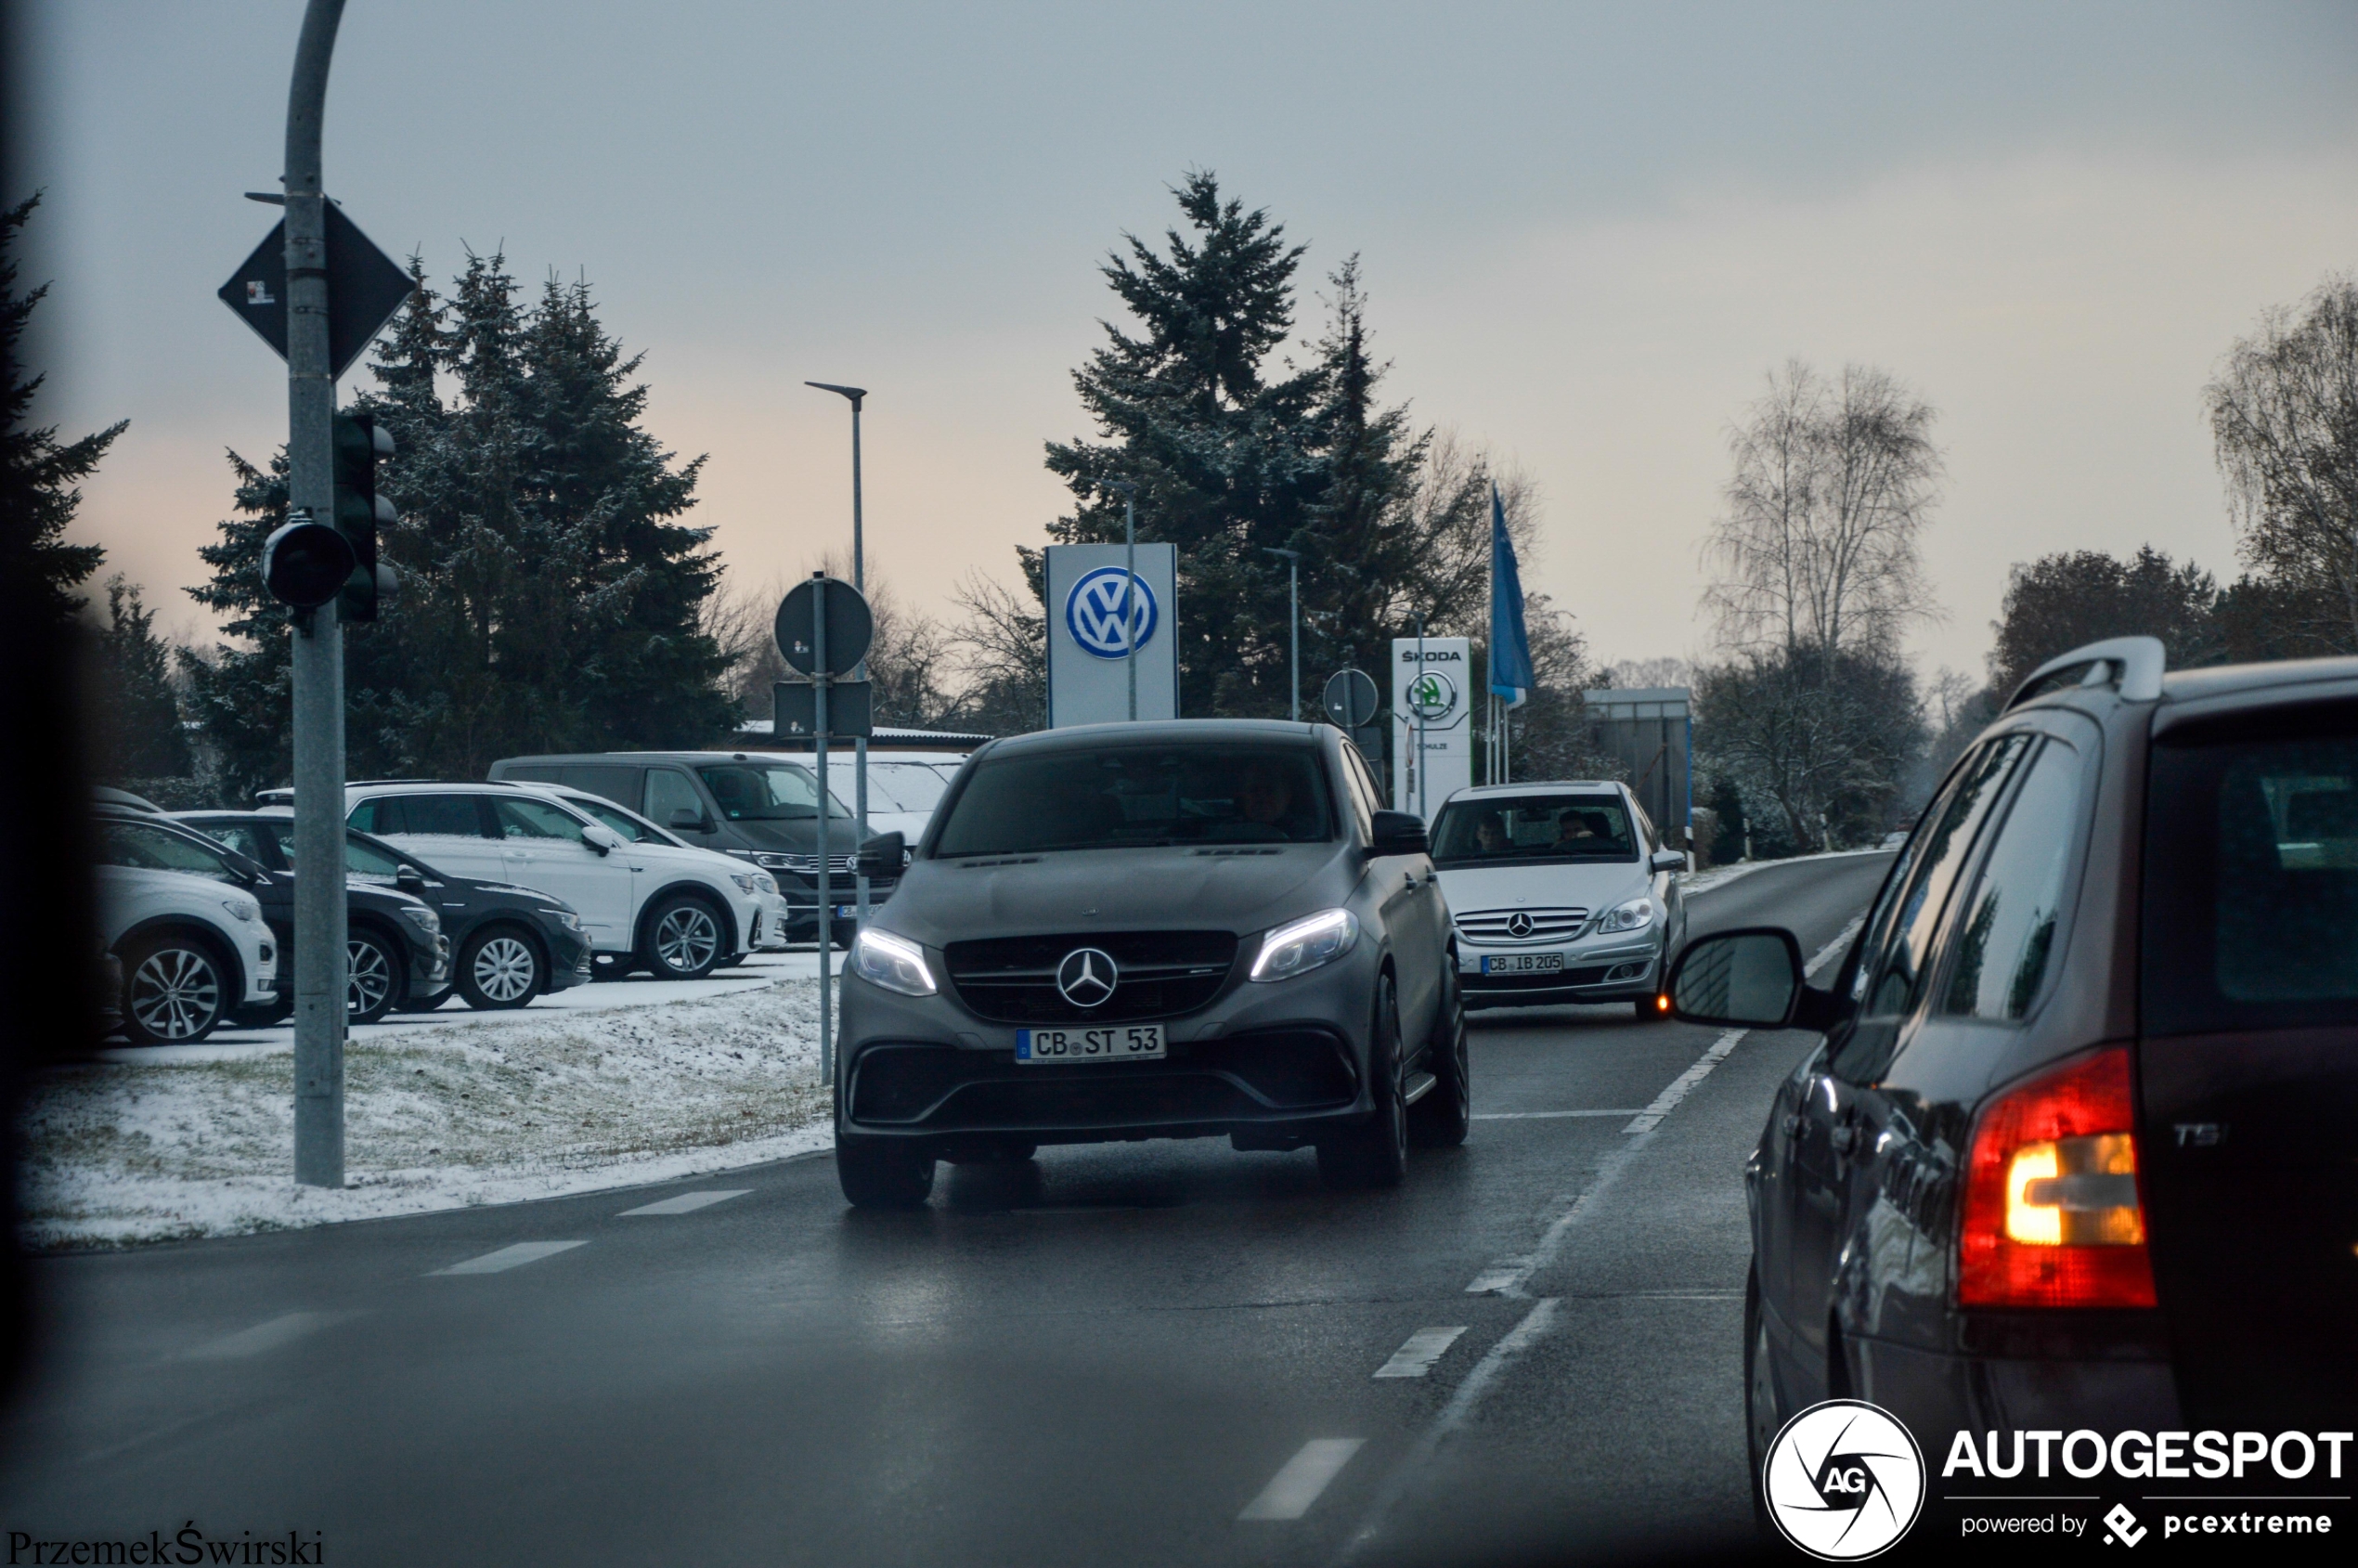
x=768, y=921
x=677, y=912
x=1560, y=892
x=194, y=946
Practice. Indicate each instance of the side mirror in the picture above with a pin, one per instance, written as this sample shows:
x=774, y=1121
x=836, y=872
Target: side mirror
x=408, y=879
x=1398, y=833
x=1750, y=978
x=601, y=838
x=1668, y=860
x=883, y=856
x=692, y=822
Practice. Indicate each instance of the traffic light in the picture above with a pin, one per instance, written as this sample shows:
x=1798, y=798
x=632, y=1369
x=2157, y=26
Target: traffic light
x=360, y=443
x=304, y=564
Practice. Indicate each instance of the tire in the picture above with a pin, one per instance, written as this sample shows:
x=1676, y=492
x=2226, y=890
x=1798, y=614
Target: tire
x=176, y=990
x=1764, y=1412
x=1442, y=1117
x=684, y=936
x=883, y=1173
x=429, y=1003
x=372, y=977
x=1374, y=1154
x=501, y=968
x=1647, y=1013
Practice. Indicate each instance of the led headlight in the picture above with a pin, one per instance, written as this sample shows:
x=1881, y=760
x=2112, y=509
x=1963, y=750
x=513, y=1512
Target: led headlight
x=748, y=881
x=1635, y=915
x=567, y=919
x=242, y=908
x=1304, y=945
x=891, y=962
x=422, y=918
x=765, y=883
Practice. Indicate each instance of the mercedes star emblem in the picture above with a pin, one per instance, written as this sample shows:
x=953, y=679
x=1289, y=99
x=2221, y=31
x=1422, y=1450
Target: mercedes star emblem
x=1086, y=976
x=1518, y=924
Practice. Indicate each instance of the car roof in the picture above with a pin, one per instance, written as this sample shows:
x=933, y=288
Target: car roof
x=1538, y=787
x=1164, y=732
x=2234, y=679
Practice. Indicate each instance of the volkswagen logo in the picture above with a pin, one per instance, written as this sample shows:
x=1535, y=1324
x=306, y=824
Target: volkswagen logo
x=1086, y=976
x=1518, y=924
x=1092, y=614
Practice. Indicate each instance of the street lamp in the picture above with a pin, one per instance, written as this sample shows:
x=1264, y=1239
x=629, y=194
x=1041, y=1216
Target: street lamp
x=859, y=747
x=1293, y=623
x=1129, y=581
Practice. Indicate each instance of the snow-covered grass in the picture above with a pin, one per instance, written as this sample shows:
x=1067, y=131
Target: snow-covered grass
x=528, y=1105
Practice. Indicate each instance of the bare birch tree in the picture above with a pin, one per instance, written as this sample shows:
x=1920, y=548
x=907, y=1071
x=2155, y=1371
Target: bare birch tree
x=2284, y=413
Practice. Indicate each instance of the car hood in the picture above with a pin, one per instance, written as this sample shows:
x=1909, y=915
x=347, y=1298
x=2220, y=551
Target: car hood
x=1592, y=886
x=942, y=901
x=798, y=836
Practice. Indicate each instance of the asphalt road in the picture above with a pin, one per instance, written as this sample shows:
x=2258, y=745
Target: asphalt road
x=1139, y=1353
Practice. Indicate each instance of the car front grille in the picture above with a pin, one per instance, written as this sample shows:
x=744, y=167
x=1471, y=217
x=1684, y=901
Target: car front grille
x=1546, y=925
x=808, y=865
x=1013, y=979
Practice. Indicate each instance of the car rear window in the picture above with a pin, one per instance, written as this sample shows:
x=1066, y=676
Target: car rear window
x=439, y=816
x=1121, y=796
x=1534, y=827
x=2251, y=875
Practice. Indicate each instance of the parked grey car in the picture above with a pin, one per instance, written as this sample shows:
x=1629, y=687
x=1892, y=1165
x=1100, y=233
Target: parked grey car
x=1153, y=930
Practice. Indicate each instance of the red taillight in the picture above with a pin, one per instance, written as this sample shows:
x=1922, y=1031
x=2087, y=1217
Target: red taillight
x=2052, y=1215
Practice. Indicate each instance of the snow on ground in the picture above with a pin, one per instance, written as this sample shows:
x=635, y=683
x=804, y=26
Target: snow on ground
x=475, y=1109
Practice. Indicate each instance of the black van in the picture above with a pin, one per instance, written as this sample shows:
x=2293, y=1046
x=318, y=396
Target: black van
x=756, y=806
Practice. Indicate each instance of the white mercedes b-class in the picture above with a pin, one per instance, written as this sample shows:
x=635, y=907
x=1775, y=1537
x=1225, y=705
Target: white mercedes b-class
x=1558, y=892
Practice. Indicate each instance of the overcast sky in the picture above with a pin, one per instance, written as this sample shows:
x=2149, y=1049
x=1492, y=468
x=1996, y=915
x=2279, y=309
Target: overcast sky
x=1589, y=232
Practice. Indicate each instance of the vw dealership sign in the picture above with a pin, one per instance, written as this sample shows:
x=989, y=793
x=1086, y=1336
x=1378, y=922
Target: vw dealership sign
x=1431, y=694
x=1090, y=641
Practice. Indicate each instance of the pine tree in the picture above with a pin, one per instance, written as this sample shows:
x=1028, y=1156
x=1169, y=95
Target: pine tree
x=241, y=694
x=38, y=497
x=138, y=716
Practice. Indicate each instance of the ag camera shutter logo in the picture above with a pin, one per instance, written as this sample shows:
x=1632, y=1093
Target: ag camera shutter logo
x=1092, y=612
x=1844, y=1481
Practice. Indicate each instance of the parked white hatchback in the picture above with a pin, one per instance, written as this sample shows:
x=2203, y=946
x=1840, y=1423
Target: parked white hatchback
x=1560, y=892
x=677, y=912
x=194, y=946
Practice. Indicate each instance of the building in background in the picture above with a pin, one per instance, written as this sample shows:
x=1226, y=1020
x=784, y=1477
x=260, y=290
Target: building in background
x=1650, y=730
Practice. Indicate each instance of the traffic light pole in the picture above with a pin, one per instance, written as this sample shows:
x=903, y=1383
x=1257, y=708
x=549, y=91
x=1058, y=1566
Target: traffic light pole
x=318, y=957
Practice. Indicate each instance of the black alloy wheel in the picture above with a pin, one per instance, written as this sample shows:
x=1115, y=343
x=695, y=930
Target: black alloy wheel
x=883, y=1173
x=501, y=968
x=1374, y=1154
x=372, y=977
x=1764, y=1414
x=1444, y=1117
x=684, y=939
x=175, y=989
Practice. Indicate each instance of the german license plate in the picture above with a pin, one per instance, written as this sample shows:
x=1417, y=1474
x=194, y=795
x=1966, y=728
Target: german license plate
x=1118, y=1043
x=1523, y=963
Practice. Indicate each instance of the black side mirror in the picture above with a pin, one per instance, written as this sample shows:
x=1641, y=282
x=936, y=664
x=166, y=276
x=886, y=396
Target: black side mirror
x=1398, y=833
x=690, y=821
x=883, y=856
x=1750, y=979
x=408, y=879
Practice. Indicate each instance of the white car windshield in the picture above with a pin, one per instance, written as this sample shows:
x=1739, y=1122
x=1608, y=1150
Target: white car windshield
x=1511, y=829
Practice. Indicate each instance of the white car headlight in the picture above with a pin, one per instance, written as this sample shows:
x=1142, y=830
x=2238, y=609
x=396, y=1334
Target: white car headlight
x=746, y=881
x=766, y=882
x=891, y=962
x=242, y=908
x=1302, y=945
x=1635, y=915
x=422, y=918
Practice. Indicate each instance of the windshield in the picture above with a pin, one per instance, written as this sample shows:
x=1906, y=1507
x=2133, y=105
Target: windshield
x=904, y=786
x=1534, y=827
x=1117, y=796
x=634, y=829
x=765, y=792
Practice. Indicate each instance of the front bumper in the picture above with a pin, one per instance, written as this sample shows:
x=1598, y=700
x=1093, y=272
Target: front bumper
x=1596, y=971
x=570, y=956
x=1277, y=1062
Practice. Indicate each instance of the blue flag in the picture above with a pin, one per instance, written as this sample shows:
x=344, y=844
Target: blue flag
x=1510, y=674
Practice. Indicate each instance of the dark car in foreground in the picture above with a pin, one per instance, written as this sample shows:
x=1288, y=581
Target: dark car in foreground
x=2080, y=1145
x=508, y=944
x=1129, y=931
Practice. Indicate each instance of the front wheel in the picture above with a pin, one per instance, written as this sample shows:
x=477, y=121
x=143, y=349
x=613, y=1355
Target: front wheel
x=684, y=939
x=1442, y=1118
x=1374, y=1154
x=371, y=978
x=883, y=1173
x=501, y=968
x=1648, y=1009
x=174, y=990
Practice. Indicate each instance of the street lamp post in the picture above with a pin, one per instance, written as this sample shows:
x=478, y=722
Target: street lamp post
x=1293, y=624
x=1129, y=581
x=856, y=395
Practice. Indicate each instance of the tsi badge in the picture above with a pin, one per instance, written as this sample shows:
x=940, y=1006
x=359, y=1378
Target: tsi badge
x=1844, y=1480
x=1092, y=612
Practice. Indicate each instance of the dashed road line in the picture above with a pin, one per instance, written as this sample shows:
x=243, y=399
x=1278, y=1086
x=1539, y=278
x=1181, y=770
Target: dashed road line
x=1415, y=1357
x=1542, y=1115
x=1298, y=1482
x=509, y=1257
x=686, y=1202
x=281, y=1331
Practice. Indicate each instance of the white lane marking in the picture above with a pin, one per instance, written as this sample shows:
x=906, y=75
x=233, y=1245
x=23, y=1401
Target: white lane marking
x=686, y=1202
x=1416, y=1357
x=1296, y=1487
x=1522, y=1336
x=1542, y=1115
x=267, y=1336
x=509, y=1257
x=1508, y=1276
